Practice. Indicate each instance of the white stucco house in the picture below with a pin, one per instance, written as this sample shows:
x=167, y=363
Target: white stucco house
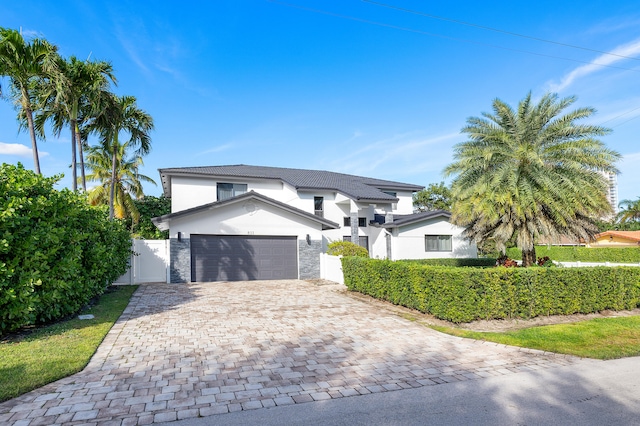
x=242, y=222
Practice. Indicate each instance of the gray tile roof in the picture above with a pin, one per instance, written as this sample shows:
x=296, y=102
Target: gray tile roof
x=356, y=187
x=407, y=219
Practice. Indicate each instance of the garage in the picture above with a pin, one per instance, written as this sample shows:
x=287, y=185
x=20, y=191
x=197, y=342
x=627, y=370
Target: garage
x=241, y=257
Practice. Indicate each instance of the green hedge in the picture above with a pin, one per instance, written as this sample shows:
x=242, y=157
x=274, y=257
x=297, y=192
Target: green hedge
x=56, y=251
x=583, y=254
x=479, y=262
x=468, y=294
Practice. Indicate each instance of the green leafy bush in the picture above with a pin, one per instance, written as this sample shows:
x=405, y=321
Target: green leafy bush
x=346, y=248
x=583, y=254
x=468, y=294
x=479, y=262
x=56, y=251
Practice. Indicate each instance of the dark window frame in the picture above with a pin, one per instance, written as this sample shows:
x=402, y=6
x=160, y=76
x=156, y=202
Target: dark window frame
x=235, y=189
x=443, y=243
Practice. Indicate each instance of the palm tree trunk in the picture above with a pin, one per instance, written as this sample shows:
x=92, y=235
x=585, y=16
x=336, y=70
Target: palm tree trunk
x=529, y=257
x=81, y=155
x=34, y=143
x=74, y=165
x=112, y=191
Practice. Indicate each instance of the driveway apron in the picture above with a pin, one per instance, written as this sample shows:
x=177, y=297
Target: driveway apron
x=188, y=350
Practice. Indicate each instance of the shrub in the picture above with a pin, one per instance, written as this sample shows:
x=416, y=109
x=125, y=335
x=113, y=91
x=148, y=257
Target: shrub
x=468, y=294
x=56, y=251
x=583, y=254
x=346, y=248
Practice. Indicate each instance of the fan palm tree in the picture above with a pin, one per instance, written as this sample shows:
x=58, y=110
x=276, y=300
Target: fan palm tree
x=24, y=63
x=70, y=99
x=127, y=182
x=530, y=172
x=630, y=211
x=121, y=115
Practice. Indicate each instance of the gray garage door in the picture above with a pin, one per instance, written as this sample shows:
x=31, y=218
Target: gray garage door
x=239, y=258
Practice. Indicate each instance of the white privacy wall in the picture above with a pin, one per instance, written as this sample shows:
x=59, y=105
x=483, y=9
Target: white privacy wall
x=408, y=241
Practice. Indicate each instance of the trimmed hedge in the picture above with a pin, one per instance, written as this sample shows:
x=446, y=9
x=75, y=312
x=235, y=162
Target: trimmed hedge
x=479, y=262
x=346, y=248
x=583, y=254
x=56, y=251
x=468, y=294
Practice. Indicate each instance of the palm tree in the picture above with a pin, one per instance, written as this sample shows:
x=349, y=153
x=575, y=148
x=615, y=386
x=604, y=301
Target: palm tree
x=120, y=114
x=530, y=172
x=24, y=63
x=128, y=182
x=70, y=99
x=631, y=211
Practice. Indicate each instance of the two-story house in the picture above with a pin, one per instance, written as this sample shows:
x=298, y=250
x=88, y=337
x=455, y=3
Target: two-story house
x=240, y=222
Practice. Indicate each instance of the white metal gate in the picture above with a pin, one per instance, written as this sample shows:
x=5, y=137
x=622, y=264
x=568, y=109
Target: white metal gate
x=149, y=264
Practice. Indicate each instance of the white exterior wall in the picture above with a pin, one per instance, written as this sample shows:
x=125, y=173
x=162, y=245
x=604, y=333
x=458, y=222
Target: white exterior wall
x=405, y=203
x=409, y=243
x=250, y=218
x=188, y=192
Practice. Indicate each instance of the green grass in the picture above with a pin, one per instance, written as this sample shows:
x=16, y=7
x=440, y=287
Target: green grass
x=32, y=359
x=602, y=338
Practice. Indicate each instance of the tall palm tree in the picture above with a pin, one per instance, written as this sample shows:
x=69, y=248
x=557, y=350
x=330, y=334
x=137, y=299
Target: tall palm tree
x=121, y=115
x=71, y=98
x=530, y=172
x=128, y=182
x=25, y=62
x=630, y=212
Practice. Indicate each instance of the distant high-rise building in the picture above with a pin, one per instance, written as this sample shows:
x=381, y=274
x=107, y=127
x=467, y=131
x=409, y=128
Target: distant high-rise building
x=612, y=189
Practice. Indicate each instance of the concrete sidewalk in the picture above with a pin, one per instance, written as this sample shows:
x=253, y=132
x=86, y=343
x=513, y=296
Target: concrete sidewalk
x=593, y=393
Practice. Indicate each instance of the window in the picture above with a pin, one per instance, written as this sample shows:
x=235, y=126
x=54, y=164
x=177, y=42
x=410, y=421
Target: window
x=318, y=206
x=437, y=243
x=393, y=194
x=362, y=222
x=364, y=241
x=230, y=190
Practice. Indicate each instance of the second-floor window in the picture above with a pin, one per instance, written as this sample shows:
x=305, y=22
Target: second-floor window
x=230, y=190
x=362, y=222
x=318, y=206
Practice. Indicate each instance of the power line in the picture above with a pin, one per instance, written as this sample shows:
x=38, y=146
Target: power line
x=497, y=30
x=618, y=116
x=395, y=27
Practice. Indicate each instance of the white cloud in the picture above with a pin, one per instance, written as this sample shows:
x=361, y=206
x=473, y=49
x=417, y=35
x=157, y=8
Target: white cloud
x=218, y=148
x=630, y=49
x=15, y=149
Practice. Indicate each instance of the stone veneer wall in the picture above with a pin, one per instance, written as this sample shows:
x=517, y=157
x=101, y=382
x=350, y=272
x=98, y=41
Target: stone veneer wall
x=180, y=260
x=309, y=258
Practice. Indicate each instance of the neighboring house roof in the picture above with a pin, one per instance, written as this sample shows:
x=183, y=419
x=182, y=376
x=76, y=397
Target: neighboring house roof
x=162, y=222
x=627, y=235
x=408, y=219
x=355, y=187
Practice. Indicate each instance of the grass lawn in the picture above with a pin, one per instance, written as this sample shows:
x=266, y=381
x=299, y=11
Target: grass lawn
x=34, y=358
x=601, y=338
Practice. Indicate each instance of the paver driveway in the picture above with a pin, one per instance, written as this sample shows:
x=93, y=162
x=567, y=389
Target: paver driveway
x=182, y=351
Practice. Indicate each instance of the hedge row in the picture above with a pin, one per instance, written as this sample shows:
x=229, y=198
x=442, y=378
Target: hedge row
x=583, y=254
x=479, y=262
x=468, y=294
x=56, y=251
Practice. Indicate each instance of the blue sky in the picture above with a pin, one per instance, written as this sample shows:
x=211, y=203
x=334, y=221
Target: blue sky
x=347, y=86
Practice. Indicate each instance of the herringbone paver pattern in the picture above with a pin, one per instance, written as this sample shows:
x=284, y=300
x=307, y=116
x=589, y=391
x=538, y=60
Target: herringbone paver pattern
x=183, y=351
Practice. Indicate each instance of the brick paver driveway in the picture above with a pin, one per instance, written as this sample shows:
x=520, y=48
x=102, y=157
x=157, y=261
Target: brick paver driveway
x=182, y=351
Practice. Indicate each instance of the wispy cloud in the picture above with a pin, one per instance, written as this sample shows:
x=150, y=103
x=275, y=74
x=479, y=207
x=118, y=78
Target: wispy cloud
x=629, y=49
x=218, y=148
x=18, y=150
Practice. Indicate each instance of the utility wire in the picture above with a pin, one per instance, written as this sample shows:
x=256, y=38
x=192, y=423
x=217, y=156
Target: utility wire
x=618, y=116
x=497, y=30
x=395, y=27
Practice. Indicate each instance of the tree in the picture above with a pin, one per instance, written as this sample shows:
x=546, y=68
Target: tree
x=127, y=182
x=530, y=173
x=630, y=211
x=437, y=196
x=150, y=207
x=120, y=114
x=25, y=63
x=70, y=98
